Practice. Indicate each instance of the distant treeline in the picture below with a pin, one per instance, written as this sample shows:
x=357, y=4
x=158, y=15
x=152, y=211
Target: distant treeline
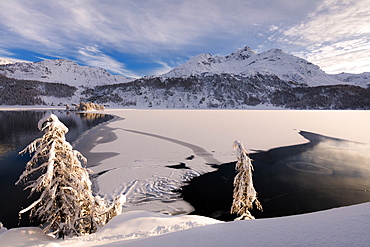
x=28, y=92
x=323, y=97
x=229, y=91
x=205, y=91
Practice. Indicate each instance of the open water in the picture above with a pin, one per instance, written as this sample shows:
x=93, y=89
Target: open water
x=17, y=130
x=321, y=174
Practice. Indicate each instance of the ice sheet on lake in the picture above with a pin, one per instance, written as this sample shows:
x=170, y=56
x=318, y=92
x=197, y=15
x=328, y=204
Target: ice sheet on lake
x=133, y=154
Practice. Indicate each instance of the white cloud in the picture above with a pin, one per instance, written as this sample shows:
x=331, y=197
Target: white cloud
x=133, y=26
x=24, y=23
x=335, y=36
x=10, y=56
x=161, y=28
x=5, y=52
x=163, y=69
x=16, y=60
x=344, y=56
x=92, y=56
x=273, y=28
x=150, y=27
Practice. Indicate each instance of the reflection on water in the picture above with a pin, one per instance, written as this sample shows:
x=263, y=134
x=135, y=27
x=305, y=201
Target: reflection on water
x=322, y=174
x=17, y=130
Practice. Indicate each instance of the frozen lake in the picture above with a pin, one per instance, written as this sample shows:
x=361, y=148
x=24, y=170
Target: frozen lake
x=304, y=160
x=149, y=154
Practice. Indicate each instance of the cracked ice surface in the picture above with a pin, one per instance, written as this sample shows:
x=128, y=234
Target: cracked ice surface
x=131, y=154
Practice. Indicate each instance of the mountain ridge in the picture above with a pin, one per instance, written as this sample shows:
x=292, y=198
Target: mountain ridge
x=243, y=61
x=246, y=62
x=240, y=80
x=61, y=71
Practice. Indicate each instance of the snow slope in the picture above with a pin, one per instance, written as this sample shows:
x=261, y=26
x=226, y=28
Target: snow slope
x=347, y=226
x=337, y=227
x=361, y=80
x=248, y=63
x=61, y=71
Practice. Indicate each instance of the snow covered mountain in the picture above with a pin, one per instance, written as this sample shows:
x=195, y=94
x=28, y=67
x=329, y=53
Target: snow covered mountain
x=361, y=80
x=247, y=63
x=4, y=61
x=241, y=79
x=229, y=91
x=61, y=71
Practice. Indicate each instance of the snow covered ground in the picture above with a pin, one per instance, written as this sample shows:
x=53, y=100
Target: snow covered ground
x=131, y=154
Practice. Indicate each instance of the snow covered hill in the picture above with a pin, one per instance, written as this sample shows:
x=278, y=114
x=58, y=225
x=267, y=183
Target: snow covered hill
x=362, y=80
x=61, y=71
x=242, y=62
x=230, y=92
x=4, y=61
x=347, y=226
x=247, y=63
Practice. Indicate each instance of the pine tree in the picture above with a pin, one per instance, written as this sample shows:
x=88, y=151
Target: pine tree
x=66, y=205
x=244, y=193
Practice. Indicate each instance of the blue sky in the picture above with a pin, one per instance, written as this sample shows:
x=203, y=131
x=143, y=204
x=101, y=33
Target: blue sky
x=149, y=37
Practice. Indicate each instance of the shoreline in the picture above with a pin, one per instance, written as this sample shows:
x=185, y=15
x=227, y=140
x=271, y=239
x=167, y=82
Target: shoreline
x=88, y=140
x=19, y=129
x=141, y=146
x=288, y=179
x=134, y=152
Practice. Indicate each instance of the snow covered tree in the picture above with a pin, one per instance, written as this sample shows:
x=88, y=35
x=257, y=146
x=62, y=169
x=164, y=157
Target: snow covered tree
x=66, y=205
x=89, y=107
x=244, y=193
x=2, y=228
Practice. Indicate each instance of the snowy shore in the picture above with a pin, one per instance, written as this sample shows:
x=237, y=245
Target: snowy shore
x=131, y=155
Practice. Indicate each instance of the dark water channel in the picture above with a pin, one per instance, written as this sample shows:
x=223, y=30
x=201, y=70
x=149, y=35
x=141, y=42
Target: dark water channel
x=322, y=174
x=17, y=130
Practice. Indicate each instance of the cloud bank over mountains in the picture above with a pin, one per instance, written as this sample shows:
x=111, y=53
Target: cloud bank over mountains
x=152, y=36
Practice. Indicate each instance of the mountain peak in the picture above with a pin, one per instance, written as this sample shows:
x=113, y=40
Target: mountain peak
x=61, y=71
x=276, y=51
x=246, y=62
x=57, y=62
x=201, y=57
x=241, y=54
